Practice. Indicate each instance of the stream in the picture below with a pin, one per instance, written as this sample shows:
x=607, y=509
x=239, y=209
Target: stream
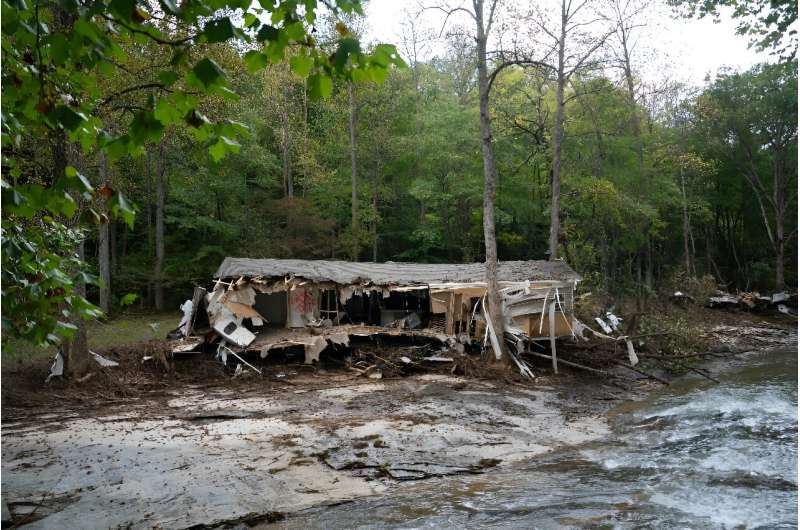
x=693, y=455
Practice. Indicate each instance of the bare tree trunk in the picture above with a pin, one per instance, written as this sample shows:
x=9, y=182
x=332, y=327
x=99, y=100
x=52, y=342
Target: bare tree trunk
x=375, y=208
x=555, y=177
x=558, y=137
x=149, y=213
x=353, y=176
x=687, y=254
x=104, y=243
x=286, y=151
x=489, y=182
x=161, y=193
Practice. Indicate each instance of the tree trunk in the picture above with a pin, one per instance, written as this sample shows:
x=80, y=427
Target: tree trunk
x=489, y=182
x=375, y=208
x=558, y=136
x=287, y=162
x=687, y=254
x=104, y=243
x=76, y=349
x=149, y=213
x=161, y=193
x=353, y=176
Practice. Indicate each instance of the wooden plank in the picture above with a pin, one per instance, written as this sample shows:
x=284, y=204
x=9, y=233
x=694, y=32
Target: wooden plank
x=552, y=323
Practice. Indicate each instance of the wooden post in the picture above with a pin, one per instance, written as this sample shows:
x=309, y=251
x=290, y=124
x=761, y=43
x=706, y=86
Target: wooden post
x=552, y=319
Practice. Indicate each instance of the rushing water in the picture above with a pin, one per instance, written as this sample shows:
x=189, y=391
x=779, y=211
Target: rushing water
x=697, y=455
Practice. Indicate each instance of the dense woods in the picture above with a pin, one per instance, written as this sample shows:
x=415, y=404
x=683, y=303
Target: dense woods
x=637, y=187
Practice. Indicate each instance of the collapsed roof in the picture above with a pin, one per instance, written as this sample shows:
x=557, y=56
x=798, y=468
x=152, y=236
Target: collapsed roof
x=393, y=273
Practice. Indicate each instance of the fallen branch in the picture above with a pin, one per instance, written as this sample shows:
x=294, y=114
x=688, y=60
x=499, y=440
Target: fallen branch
x=651, y=376
x=697, y=371
x=570, y=363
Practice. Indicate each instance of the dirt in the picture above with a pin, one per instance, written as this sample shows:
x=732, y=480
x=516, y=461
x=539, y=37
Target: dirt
x=188, y=444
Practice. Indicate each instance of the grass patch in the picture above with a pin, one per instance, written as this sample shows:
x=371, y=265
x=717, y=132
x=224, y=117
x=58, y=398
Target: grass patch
x=124, y=329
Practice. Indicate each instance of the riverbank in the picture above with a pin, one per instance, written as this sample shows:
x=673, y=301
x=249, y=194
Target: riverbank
x=254, y=450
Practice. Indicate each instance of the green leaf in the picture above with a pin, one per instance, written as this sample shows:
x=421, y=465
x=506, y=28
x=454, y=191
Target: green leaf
x=121, y=208
x=268, y=33
x=250, y=20
x=255, y=61
x=295, y=31
x=319, y=86
x=168, y=77
x=208, y=72
x=347, y=47
x=167, y=112
x=145, y=127
x=68, y=118
x=66, y=329
x=301, y=65
x=218, y=30
x=222, y=147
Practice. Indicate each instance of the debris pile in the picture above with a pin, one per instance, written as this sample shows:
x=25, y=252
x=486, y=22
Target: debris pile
x=782, y=302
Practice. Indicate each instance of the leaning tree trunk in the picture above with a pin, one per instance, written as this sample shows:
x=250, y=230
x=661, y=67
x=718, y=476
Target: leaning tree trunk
x=161, y=192
x=489, y=182
x=104, y=243
x=353, y=176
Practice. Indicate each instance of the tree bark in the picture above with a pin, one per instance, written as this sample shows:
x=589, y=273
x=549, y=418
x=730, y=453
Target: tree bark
x=687, y=254
x=353, y=176
x=286, y=146
x=161, y=193
x=104, y=243
x=489, y=183
x=558, y=136
x=375, y=208
x=76, y=349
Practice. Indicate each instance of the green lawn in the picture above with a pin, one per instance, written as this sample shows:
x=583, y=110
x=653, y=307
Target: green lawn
x=124, y=329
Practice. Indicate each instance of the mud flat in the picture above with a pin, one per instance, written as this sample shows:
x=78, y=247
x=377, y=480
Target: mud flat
x=252, y=453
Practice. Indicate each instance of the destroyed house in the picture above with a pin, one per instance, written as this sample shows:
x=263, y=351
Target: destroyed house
x=265, y=304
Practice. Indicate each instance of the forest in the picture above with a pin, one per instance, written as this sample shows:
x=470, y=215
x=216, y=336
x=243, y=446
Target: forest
x=143, y=142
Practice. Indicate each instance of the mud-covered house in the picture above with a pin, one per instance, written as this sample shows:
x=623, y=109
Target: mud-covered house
x=260, y=305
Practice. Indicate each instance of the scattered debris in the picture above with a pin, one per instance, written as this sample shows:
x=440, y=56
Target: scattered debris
x=57, y=368
x=102, y=361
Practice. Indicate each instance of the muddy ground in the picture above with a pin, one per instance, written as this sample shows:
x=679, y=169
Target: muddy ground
x=199, y=449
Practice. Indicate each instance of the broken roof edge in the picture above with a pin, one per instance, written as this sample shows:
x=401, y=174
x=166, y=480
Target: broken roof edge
x=394, y=273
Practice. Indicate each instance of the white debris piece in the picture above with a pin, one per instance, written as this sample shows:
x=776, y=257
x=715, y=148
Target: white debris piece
x=233, y=331
x=632, y=357
x=602, y=323
x=183, y=327
x=102, y=361
x=780, y=297
x=615, y=321
x=57, y=368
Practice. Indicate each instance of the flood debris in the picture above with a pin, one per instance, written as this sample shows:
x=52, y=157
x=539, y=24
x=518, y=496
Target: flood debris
x=260, y=306
x=754, y=301
x=57, y=368
x=102, y=361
